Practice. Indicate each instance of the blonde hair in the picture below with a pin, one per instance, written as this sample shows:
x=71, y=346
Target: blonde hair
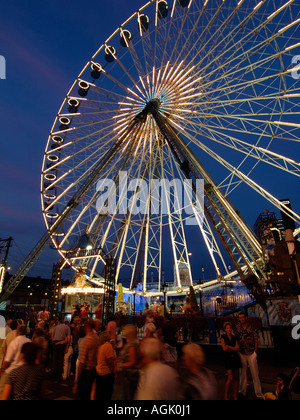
x=195, y=353
x=151, y=327
x=130, y=331
x=151, y=348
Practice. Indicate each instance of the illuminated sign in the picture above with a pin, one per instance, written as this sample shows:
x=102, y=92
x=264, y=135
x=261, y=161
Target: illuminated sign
x=82, y=290
x=2, y=275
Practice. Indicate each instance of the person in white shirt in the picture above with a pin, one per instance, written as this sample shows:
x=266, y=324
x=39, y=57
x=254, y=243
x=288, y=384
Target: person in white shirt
x=158, y=381
x=10, y=336
x=43, y=315
x=13, y=355
x=60, y=341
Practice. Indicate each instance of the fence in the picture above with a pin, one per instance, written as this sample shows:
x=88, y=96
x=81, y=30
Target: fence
x=204, y=331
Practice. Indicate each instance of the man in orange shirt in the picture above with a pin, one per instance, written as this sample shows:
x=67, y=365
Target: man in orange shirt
x=106, y=361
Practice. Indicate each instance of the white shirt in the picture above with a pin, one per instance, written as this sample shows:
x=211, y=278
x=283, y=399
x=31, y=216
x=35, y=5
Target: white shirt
x=158, y=382
x=14, y=352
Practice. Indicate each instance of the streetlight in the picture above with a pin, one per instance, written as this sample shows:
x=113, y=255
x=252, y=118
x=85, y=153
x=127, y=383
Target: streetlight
x=134, y=294
x=85, y=242
x=200, y=294
x=164, y=285
x=226, y=293
x=203, y=271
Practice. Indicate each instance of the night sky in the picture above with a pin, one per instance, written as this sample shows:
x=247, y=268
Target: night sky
x=45, y=45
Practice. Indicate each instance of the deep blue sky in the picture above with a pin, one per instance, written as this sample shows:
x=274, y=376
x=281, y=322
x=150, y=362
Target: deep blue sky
x=46, y=44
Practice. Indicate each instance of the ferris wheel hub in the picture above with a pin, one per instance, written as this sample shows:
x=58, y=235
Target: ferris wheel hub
x=186, y=81
x=154, y=103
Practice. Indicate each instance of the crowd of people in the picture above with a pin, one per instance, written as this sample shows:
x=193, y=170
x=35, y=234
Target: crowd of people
x=105, y=362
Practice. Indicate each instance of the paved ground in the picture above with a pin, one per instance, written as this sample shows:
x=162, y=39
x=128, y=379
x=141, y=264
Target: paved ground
x=269, y=367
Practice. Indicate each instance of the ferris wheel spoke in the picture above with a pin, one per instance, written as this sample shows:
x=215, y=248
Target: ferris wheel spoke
x=109, y=96
x=178, y=237
x=118, y=204
x=241, y=129
x=74, y=169
x=86, y=136
x=142, y=170
x=250, y=68
x=263, y=155
x=79, y=127
x=113, y=79
x=278, y=96
x=264, y=193
x=217, y=38
x=240, y=87
x=190, y=42
x=86, y=113
x=64, y=160
x=218, y=72
x=178, y=31
x=109, y=155
x=148, y=53
x=269, y=131
x=93, y=230
x=232, y=86
x=202, y=223
x=236, y=237
x=239, y=122
x=273, y=35
x=252, y=65
x=148, y=238
x=123, y=67
x=260, y=154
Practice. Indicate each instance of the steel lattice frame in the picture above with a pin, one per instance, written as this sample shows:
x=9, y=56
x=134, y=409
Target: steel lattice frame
x=223, y=76
x=222, y=73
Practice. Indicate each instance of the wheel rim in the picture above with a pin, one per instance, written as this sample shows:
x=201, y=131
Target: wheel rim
x=224, y=77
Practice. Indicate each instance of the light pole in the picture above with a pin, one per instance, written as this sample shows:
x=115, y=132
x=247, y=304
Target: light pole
x=200, y=295
x=226, y=293
x=164, y=285
x=3, y=262
x=134, y=294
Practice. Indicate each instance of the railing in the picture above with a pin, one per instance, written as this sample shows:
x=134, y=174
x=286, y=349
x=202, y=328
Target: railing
x=201, y=330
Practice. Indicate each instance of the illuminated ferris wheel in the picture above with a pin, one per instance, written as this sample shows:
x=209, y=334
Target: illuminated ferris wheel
x=182, y=91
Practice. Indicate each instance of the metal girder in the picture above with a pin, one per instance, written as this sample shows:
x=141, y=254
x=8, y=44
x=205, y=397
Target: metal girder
x=41, y=245
x=235, y=235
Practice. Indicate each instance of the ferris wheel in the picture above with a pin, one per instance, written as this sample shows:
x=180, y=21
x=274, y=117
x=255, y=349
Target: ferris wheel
x=176, y=111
